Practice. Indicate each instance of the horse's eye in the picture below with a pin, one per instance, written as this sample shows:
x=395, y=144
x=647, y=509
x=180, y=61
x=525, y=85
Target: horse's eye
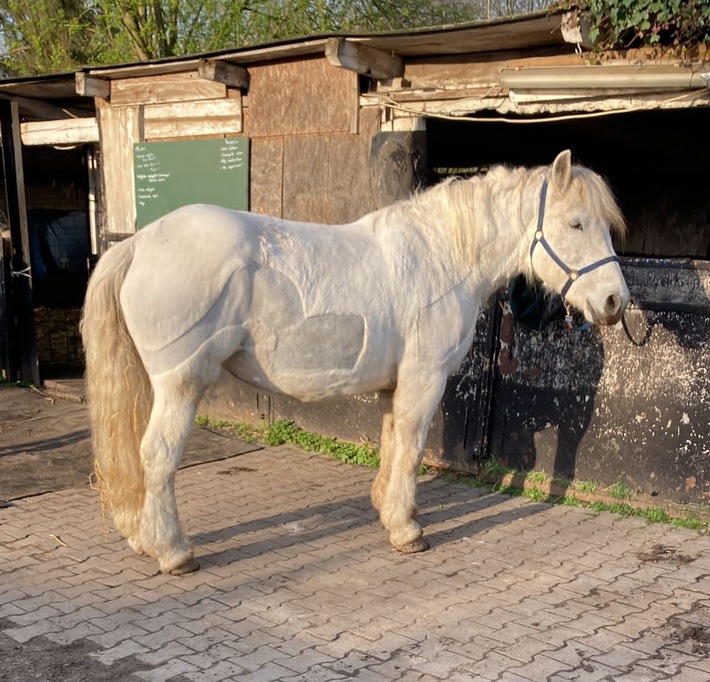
x=576, y=225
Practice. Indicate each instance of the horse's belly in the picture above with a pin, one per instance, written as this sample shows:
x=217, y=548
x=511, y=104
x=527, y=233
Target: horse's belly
x=322, y=356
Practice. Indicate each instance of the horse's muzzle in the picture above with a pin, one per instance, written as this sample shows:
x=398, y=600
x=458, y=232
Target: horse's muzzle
x=613, y=310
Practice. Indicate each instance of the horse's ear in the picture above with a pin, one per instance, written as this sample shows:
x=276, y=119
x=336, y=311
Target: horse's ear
x=562, y=171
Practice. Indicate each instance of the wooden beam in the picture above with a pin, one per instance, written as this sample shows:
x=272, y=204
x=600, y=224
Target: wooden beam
x=120, y=129
x=604, y=77
x=37, y=108
x=64, y=131
x=211, y=117
x=367, y=61
x=90, y=86
x=231, y=75
x=162, y=89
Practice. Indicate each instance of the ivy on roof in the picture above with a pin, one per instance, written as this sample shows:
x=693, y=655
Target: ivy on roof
x=678, y=25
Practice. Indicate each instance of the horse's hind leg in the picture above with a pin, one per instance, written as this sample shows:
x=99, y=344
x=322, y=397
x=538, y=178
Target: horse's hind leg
x=414, y=406
x=386, y=446
x=171, y=420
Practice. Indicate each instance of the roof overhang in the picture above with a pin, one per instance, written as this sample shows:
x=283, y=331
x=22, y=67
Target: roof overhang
x=383, y=57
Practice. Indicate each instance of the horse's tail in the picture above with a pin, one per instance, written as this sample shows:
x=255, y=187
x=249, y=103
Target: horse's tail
x=119, y=392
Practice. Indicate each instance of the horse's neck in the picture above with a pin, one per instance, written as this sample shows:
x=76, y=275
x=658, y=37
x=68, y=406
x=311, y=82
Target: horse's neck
x=472, y=231
x=503, y=206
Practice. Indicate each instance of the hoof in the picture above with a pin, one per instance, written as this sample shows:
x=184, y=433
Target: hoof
x=189, y=566
x=135, y=545
x=418, y=545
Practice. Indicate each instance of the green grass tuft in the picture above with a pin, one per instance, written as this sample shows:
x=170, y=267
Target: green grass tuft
x=536, y=495
x=496, y=469
x=585, y=486
x=286, y=431
x=536, y=477
x=620, y=491
x=652, y=515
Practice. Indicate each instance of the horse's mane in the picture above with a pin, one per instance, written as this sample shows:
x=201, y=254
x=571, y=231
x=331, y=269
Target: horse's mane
x=470, y=210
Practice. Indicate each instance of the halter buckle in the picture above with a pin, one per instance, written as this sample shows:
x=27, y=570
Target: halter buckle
x=538, y=235
x=573, y=275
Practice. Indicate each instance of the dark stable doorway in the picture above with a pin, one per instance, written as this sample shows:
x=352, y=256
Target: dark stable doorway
x=654, y=161
x=56, y=186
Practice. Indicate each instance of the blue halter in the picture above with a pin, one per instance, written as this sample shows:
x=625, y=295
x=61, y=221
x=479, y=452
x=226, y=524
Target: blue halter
x=539, y=238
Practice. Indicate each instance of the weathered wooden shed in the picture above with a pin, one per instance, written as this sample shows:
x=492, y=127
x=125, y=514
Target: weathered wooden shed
x=327, y=128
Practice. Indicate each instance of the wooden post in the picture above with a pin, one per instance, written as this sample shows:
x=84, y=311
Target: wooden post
x=5, y=365
x=22, y=344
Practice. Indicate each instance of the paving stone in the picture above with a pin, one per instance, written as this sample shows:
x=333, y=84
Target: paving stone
x=267, y=673
x=591, y=671
x=541, y=668
x=167, y=671
x=156, y=640
x=122, y=650
x=11, y=609
x=640, y=675
x=316, y=674
x=28, y=632
x=298, y=583
x=702, y=664
x=575, y=654
x=492, y=665
x=118, y=634
x=686, y=674
x=42, y=613
x=304, y=661
x=620, y=657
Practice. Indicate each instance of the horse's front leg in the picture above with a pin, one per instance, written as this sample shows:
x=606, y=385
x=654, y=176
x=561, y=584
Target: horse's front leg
x=171, y=420
x=414, y=404
x=379, y=487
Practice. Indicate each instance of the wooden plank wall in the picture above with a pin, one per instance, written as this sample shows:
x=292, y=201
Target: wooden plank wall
x=310, y=143
x=174, y=106
x=302, y=97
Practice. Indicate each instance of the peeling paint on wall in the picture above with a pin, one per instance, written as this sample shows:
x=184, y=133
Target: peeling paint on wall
x=593, y=405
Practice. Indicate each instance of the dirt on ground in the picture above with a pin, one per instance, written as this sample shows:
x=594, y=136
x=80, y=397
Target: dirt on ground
x=41, y=660
x=45, y=444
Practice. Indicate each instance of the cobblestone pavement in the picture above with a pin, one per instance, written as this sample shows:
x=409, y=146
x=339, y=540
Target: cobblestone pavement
x=298, y=582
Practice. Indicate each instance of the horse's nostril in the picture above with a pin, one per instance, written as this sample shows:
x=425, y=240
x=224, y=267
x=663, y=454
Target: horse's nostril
x=613, y=304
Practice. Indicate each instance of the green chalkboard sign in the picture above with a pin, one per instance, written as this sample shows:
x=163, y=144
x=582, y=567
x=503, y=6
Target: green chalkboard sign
x=173, y=174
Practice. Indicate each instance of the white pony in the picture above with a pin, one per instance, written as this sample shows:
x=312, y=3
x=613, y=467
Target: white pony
x=387, y=303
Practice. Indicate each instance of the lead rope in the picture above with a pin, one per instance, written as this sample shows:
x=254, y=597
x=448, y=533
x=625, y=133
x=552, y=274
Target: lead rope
x=646, y=336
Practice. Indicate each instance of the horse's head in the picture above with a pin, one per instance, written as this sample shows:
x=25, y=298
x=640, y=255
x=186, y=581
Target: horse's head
x=571, y=250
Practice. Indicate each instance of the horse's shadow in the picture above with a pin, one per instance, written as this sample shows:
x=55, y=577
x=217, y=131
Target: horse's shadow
x=548, y=414
x=46, y=444
x=448, y=513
